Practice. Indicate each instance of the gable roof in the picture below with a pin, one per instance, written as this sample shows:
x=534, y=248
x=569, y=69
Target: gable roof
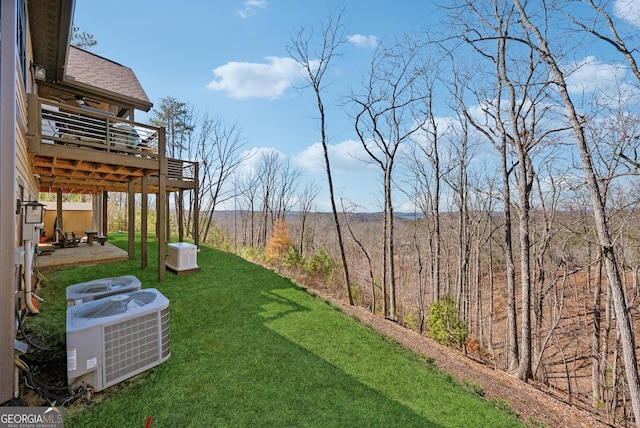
x=90, y=71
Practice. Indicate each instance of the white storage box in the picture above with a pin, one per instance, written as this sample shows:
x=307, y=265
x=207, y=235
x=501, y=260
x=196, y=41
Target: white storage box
x=182, y=256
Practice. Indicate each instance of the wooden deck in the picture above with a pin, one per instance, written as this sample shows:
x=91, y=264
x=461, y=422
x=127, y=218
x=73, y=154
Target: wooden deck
x=81, y=255
x=86, y=150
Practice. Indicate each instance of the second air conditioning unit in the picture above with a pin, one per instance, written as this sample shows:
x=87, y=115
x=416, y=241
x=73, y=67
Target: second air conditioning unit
x=99, y=288
x=114, y=338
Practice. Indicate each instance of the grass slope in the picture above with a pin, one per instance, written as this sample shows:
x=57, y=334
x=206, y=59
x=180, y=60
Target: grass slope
x=249, y=348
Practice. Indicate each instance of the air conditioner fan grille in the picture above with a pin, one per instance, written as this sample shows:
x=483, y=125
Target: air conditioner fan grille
x=131, y=346
x=164, y=321
x=115, y=305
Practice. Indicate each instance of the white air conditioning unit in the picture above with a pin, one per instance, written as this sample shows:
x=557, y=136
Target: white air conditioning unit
x=182, y=256
x=99, y=288
x=114, y=338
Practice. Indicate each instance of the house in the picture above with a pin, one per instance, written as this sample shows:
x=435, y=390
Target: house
x=67, y=126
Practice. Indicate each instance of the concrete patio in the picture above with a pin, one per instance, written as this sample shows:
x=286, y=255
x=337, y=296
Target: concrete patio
x=83, y=254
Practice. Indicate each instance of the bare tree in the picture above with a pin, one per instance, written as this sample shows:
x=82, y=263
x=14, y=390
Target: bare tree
x=541, y=44
x=387, y=116
x=247, y=196
x=425, y=168
x=548, y=274
x=457, y=178
x=219, y=150
x=179, y=120
x=363, y=249
x=267, y=176
x=493, y=126
x=315, y=65
x=613, y=136
x=306, y=198
x=615, y=39
x=287, y=185
x=424, y=179
x=521, y=112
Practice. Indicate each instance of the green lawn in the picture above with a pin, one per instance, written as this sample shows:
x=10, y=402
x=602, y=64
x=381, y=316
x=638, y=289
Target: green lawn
x=251, y=349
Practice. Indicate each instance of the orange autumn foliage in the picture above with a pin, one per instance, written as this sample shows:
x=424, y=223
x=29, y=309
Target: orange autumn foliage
x=278, y=244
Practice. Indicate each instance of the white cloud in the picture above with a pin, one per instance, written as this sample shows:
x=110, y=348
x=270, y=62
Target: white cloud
x=591, y=75
x=348, y=156
x=607, y=82
x=250, y=7
x=253, y=159
x=256, y=80
x=629, y=10
x=361, y=41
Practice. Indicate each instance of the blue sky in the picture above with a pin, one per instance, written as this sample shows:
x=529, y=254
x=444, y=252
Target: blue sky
x=229, y=58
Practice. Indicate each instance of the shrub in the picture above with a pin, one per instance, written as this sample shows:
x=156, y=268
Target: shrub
x=321, y=262
x=216, y=237
x=293, y=258
x=226, y=244
x=356, y=292
x=250, y=253
x=445, y=324
x=280, y=242
x=473, y=345
x=410, y=321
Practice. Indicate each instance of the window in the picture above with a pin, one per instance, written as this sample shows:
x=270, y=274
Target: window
x=21, y=39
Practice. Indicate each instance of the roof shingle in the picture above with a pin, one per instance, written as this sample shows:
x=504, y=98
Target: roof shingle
x=90, y=69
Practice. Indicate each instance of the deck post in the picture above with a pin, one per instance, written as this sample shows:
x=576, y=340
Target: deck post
x=167, y=210
x=196, y=207
x=131, y=220
x=105, y=204
x=180, y=213
x=143, y=223
x=161, y=202
x=58, y=212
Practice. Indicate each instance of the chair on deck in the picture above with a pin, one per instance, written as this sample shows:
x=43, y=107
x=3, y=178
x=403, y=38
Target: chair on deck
x=66, y=239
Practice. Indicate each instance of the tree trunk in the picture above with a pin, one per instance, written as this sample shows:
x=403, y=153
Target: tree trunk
x=623, y=321
x=595, y=339
x=512, y=326
x=390, y=252
x=524, y=368
x=333, y=36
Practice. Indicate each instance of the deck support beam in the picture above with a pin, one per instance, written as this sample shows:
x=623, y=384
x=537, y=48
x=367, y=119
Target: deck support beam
x=105, y=203
x=196, y=207
x=131, y=220
x=161, y=201
x=143, y=224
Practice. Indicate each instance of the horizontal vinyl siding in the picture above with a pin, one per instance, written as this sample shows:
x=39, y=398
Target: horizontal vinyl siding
x=24, y=173
x=7, y=207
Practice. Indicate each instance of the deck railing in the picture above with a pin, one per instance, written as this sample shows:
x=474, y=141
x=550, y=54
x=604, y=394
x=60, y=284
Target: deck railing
x=181, y=170
x=95, y=129
x=59, y=124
